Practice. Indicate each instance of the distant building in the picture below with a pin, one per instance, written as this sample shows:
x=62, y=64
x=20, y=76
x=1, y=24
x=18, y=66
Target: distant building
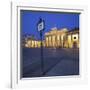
x=62, y=38
x=55, y=38
x=29, y=41
x=72, y=39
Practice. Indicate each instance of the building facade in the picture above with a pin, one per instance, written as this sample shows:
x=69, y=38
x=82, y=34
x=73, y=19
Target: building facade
x=32, y=44
x=72, y=39
x=62, y=38
x=29, y=41
x=55, y=38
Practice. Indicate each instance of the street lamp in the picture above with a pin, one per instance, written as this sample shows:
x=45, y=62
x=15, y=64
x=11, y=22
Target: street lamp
x=41, y=27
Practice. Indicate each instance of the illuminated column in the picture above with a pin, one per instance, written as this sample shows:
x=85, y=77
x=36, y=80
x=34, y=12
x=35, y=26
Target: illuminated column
x=61, y=40
x=58, y=40
x=50, y=41
x=69, y=41
x=33, y=44
x=64, y=40
x=28, y=43
x=47, y=41
x=78, y=41
x=53, y=41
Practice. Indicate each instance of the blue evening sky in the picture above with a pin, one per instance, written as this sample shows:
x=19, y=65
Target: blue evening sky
x=29, y=20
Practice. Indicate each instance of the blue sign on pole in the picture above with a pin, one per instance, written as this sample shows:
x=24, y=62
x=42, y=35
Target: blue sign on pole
x=40, y=25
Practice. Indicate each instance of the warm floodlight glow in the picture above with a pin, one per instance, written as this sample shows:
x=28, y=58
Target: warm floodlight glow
x=56, y=38
x=69, y=41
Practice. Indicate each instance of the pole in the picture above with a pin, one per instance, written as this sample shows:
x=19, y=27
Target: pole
x=42, y=62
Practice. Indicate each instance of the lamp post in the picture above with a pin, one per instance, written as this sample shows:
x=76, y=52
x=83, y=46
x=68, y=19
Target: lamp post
x=41, y=27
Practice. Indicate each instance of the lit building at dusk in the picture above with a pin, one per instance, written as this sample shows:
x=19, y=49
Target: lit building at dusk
x=62, y=38
x=72, y=39
x=55, y=38
x=29, y=41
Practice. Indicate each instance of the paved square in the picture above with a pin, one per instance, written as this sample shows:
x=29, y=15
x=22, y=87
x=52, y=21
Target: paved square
x=56, y=62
